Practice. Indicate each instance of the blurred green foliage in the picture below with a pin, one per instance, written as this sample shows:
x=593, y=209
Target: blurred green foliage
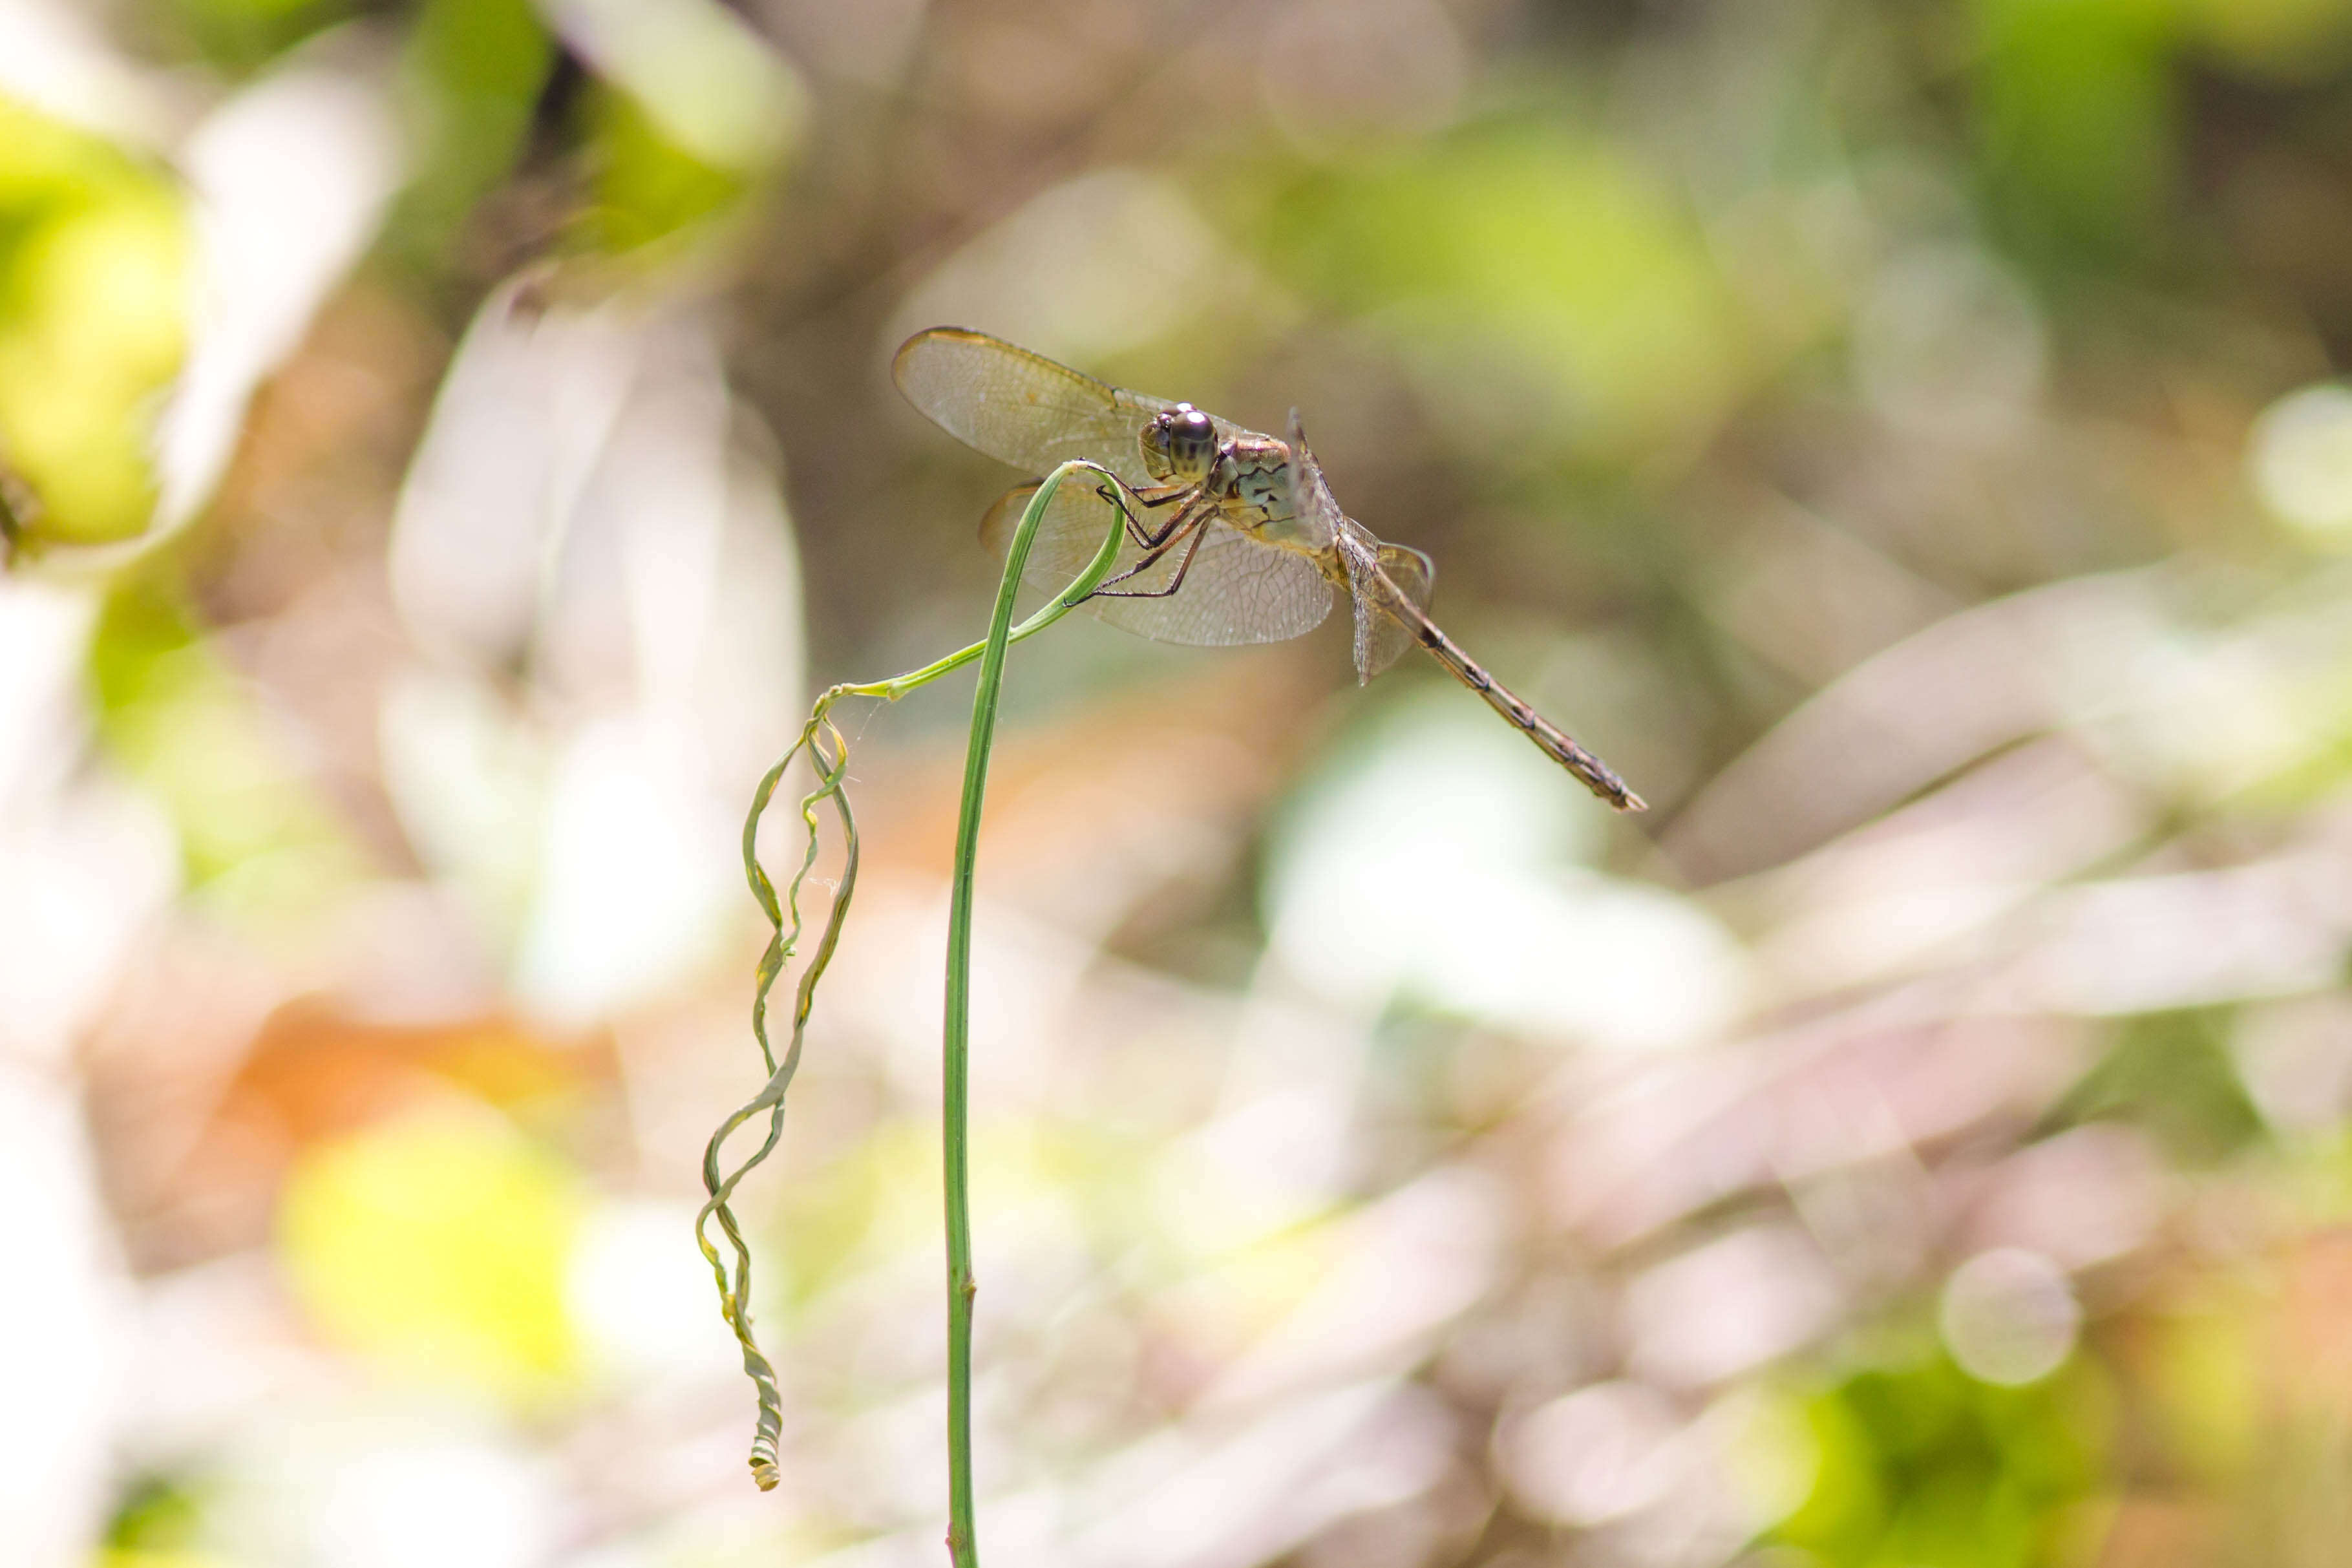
x=2171, y=1073
x=647, y=188
x=1920, y=1465
x=1527, y=244
x=257, y=840
x=435, y=1246
x=160, y=1517
x=472, y=71
x=94, y=293
x=2077, y=111
x=240, y=36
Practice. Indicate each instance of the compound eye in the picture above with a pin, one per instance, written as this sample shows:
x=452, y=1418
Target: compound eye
x=1191, y=439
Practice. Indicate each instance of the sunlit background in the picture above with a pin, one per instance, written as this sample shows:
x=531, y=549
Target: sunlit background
x=444, y=443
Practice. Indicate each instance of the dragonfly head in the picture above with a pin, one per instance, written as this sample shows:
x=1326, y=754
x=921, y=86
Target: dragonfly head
x=1181, y=442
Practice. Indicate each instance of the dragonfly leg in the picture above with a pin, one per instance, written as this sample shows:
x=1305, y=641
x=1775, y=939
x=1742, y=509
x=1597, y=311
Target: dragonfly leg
x=1191, y=515
x=1148, y=538
x=1150, y=558
x=1118, y=496
x=1200, y=531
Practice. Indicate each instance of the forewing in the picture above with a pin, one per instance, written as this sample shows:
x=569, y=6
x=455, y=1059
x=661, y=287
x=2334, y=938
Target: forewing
x=1236, y=589
x=1021, y=408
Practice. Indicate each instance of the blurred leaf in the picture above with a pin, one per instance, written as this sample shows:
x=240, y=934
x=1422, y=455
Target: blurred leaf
x=473, y=72
x=647, y=186
x=879, y=1192
x=713, y=84
x=242, y=34
x=1924, y=1467
x=2298, y=40
x=250, y=826
x=2201, y=1366
x=1846, y=1509
x=883, y=1196
x=436, y=1245
x=159, y=1515
x=94, y=263
x=1526, y=259
x=2173, y=1074
x=2077, y=118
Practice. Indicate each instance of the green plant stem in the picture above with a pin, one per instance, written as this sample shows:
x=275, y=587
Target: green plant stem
x=829, y=753
x=963, y=1545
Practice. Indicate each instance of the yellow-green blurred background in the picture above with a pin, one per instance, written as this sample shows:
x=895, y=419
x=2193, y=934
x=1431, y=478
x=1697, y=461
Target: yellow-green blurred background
x=443, y=444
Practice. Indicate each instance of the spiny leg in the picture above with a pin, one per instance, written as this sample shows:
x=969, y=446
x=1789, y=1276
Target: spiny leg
x=1118, y=496
x=1146, y=538
x=1200, y=531
x=1150, y=558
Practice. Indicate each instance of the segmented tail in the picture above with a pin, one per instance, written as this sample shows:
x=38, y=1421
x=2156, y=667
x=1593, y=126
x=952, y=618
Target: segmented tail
x=1550, y=739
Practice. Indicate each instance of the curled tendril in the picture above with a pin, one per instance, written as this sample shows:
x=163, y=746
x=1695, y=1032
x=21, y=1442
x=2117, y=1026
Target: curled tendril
x=828, y=753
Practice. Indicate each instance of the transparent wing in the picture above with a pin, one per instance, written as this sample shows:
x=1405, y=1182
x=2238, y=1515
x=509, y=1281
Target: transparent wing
x=1236, y=590
x=1067, y=535
x=1024, y=409
x=1317, y=514
x=1382, y=636
x=1388, y=583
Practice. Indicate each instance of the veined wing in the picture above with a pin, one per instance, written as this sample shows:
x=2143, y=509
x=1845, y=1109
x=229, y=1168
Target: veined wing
x=1388, y=583
x=1024, y=409
x=1313, y=510
x=1405, y=573
x=1237, y=589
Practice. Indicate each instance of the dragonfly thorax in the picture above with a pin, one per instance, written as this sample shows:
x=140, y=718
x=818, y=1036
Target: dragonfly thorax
x=1253, y=483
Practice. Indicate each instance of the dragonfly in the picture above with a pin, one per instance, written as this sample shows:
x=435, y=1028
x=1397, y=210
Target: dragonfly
x=1230, y=536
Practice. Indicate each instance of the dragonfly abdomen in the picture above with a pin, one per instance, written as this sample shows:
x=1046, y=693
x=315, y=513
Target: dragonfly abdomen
x=1550, y=739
